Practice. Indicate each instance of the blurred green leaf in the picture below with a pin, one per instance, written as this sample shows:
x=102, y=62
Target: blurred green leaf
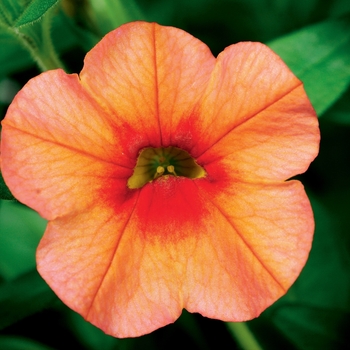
x=110, y=14
x=4, y=191
x=91, y=336
x=9, y=11
x=20, y=343
x=320, y=56
x=325, y=280
x=340, y=111
x=309, y=327
x=12, y=55
x=20, y=232
x=66, y=27
x=340, y=8
x=189, y=325
x=22, y=297
x=8, y=90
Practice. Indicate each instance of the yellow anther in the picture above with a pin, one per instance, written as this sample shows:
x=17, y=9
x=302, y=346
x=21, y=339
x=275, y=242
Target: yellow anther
x=160, y=171
x=171, y=169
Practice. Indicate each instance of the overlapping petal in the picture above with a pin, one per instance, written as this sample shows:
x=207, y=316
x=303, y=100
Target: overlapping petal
x=247, y=78
x=60, y=153
x=276, y=144
x=150, y=256
x=255, y=113
x=124, y=265
x=130, y=260
x=152, y=83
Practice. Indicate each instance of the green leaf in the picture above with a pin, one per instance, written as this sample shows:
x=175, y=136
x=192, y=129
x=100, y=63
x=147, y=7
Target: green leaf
x=65, y=35
x=91, y=336
x=20, y=343
x=340, y=8
x=23, y=12
x=21, y=230
x=189, y=325
x=29, y=22
x=110, y=14
x=310, y=327
x=9, y=11
x=324, y=281
x=4, y=191
x=74, y=35
x=34, y=11
x=320, y=56
x=22, y=297
x=340, y=111
x=13, y=56
x=8, y=90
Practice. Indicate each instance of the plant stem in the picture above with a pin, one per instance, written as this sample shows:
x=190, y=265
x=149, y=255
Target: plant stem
x=243, y=335
x=45, y=59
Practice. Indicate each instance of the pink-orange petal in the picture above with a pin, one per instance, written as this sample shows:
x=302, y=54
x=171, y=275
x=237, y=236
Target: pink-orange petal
x=122, y=267
x=78, y=254
x=134, y=267
x=257, y=239
x=248, y=78
x=61, y=153
x=151, y=77
x=276, y=144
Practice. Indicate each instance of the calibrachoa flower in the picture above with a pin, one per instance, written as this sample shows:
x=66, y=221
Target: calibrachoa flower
x=162, y=171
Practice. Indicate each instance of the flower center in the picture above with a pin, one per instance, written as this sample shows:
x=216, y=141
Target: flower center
x=153, y=163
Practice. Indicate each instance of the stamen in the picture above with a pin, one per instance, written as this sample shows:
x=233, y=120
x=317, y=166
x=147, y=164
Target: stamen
x=159, y=172
x=153, y=163
x=171, y=169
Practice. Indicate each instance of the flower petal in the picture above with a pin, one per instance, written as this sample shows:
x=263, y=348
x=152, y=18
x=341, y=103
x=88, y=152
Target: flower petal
x=257, y=240
x=91, y=263
x=278, y=143
x=151, y=77
x=116, y=272
x=130, y=269
x=247, y=82
x=54, y=152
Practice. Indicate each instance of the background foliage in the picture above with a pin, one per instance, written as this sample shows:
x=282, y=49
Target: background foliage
x=313, y=37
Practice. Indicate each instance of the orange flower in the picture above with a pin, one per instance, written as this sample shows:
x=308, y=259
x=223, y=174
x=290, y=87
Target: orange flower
x=162, y=172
